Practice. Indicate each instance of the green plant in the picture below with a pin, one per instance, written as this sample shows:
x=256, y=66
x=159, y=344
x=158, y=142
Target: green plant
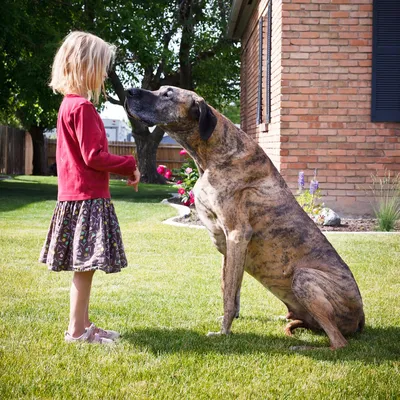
x=309, y=199
x=386, y=199
x=189, y=175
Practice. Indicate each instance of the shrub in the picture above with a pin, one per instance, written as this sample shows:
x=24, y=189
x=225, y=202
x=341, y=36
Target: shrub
x=189, y=176
x=309, y=199
x=386, y=200
x=164, y=171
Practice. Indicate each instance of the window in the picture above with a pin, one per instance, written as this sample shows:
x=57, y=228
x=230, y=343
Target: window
x=260, y=69
x=264, y=69
x=386, y=61
x=268, y=66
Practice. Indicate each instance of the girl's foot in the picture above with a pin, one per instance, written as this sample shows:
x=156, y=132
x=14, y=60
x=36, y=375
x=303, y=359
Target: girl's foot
x=89, y=336
x=105, y=333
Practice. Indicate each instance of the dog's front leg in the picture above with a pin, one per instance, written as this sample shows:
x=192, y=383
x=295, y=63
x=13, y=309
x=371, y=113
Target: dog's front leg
x=232, y=276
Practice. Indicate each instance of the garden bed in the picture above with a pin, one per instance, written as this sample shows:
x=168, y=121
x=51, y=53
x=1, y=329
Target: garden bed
x=347, y=224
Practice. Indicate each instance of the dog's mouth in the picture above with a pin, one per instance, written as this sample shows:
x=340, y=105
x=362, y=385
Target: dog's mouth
x=126, y=107
x=136, y=117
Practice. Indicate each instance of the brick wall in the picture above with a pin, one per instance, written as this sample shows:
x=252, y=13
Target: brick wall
x=322, y=56
x=267, y=135
x=326, y=101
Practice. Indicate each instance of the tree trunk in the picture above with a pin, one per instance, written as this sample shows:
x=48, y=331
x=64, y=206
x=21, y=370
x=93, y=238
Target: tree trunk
x=39, y=153
x=146, y=150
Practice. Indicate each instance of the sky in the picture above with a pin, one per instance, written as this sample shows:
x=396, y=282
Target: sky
x=113, y=111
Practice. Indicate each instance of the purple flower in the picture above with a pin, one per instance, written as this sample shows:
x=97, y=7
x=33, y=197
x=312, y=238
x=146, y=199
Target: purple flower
x=313, y=186
x=301, y=180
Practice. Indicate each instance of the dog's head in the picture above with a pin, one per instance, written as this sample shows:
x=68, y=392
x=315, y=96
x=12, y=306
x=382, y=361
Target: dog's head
x=177, y=111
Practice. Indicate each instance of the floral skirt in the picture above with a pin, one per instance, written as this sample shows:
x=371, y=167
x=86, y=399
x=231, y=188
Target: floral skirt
x=84, y=236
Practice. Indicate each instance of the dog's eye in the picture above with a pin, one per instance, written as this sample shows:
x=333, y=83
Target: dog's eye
x=168, y=93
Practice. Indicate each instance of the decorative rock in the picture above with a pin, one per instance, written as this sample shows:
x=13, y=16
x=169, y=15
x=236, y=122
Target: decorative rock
x=331, y=218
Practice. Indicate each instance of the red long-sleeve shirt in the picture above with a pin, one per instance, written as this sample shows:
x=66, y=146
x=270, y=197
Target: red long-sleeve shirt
x=83, y=160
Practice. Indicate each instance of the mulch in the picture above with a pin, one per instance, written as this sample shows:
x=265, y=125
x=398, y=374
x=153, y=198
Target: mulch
x=347, y=224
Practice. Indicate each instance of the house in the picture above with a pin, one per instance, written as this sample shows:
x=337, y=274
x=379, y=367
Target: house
x=117, y=130
x=320, y=90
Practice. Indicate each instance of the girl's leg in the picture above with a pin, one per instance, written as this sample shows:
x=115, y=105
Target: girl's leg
x=87, y=320
x=79, y=302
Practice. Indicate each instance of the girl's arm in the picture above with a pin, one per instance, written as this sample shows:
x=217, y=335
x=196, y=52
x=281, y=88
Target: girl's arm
x=89, y=132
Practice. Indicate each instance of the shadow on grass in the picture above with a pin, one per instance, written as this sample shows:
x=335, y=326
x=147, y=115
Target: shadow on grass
x=23, y=190
x=374, y=346
x=19, y=192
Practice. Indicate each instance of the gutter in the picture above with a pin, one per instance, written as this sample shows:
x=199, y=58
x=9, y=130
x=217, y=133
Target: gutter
x=233, y=18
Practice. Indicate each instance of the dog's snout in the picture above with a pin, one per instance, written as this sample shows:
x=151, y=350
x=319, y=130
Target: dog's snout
x=133, y=92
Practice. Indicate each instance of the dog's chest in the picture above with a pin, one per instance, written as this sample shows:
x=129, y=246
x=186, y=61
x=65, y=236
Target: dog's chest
x=207, y=200
x=205, y=197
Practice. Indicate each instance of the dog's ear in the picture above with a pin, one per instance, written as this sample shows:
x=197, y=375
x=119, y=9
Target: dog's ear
x=207, y=120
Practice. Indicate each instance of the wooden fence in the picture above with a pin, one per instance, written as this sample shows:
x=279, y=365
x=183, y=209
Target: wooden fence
x=167, y=154
x=15, y=151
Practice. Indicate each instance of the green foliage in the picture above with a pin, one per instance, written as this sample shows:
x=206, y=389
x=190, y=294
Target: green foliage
x=232, y=111
x=164, y=304
x=189, y=175
x=385, y=193
x=29, y=39
x=159, y=43
x=310, y=203
x=310, y=199
x=148, y=40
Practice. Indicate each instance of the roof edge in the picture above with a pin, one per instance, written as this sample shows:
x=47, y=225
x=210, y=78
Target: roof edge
x=239, y=16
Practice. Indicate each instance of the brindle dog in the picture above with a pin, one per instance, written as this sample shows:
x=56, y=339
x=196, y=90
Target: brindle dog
x=254, y=219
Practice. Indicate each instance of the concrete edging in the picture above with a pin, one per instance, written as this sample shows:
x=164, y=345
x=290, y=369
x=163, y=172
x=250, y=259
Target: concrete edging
x=185, y=211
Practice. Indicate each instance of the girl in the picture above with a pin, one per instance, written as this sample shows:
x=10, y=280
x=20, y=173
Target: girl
x=84, y=234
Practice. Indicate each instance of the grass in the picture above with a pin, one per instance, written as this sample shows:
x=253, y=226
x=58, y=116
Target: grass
x=385, y=192
x=165, y=302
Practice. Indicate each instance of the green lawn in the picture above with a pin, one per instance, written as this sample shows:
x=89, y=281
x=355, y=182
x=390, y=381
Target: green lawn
x=165, y=302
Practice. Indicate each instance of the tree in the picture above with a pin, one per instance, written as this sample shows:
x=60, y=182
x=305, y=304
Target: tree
x=179, y=43
x=32, y=31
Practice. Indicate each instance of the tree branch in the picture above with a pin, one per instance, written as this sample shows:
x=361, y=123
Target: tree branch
x=205, y=55
x=166, y=39
x=113, y=101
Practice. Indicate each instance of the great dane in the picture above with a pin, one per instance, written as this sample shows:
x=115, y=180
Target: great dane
x=254, y=220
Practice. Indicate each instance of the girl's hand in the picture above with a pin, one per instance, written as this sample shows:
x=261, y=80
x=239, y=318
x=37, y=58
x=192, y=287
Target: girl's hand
x=134, y=180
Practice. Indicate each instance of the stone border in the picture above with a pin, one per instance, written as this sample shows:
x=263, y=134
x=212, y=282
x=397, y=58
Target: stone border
x=185, y=211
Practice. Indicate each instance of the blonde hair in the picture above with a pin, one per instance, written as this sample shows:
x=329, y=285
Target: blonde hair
x=81, y=64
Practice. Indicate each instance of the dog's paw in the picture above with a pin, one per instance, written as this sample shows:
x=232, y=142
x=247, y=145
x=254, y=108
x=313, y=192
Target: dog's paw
x=210, y=334
x=219, y=333
x=281, y=318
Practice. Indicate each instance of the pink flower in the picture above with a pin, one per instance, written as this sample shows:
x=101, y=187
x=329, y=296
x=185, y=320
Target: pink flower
x=191, y=194
x=191, y=200
x=183, y=152
x=161, y=169
x=187, y=203
x=179, y=182
x=181, y=191
x=168, y=174
x=188, y=170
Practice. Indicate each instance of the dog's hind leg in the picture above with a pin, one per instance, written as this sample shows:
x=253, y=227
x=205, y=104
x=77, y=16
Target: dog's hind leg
x=314, y=290
x=291, y=326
